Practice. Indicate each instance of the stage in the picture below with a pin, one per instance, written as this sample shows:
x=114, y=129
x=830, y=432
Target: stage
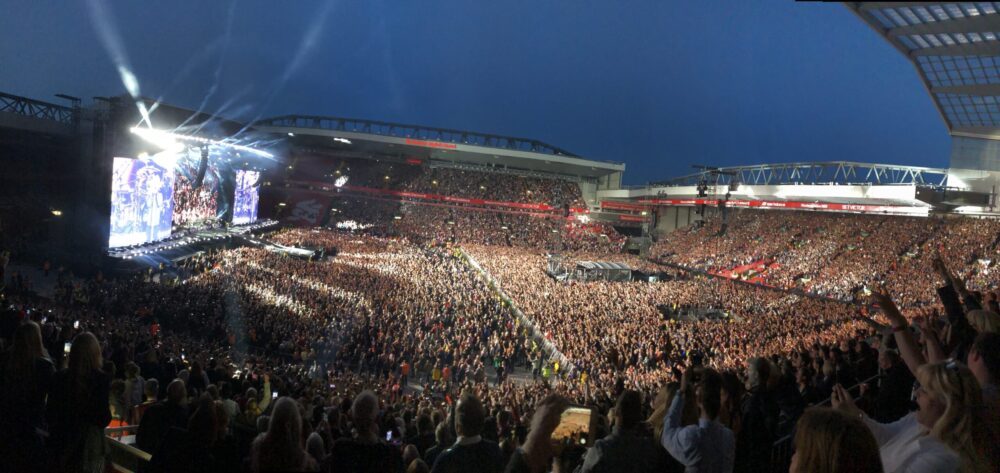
x=187, y=242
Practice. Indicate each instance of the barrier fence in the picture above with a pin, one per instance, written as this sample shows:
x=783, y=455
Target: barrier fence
x=782, y=449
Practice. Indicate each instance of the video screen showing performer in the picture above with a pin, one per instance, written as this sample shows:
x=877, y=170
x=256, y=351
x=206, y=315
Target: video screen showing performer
x=141, y=201
x=247, y=197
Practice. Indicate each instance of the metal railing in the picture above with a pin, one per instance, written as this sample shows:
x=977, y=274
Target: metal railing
x=124, y=457
x=781, y=450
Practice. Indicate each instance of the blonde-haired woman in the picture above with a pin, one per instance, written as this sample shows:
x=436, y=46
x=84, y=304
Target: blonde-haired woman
x=78, y=408
x=984, y=321
x=280, y=448
x=831, y=441
x=941, y=435
x=662, y=403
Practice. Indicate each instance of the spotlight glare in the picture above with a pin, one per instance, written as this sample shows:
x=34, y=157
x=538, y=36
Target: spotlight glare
x=166, y=140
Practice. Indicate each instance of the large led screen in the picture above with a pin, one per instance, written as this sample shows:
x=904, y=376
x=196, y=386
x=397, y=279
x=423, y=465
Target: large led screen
x=247, y=197
x=141, y=201
x=195, y=206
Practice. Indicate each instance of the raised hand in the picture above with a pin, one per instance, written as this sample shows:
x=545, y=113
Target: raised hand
x=537, y=447
x=841, y=399
x=888, y=308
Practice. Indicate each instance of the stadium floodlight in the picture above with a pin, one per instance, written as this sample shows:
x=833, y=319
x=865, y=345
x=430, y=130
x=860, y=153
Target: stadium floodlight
x=342, y=140
x=166, y=139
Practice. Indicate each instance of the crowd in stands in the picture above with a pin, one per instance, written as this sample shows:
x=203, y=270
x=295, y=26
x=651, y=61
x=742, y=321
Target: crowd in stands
x=839, y=255
x=497, y=187
x=468, y=225
x=399, y=355
x=464, y=183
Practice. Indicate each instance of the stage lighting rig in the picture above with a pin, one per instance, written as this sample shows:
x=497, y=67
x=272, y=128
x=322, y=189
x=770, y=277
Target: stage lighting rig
x=167, y=139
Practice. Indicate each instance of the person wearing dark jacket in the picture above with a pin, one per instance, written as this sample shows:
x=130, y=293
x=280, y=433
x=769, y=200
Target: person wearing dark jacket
x=629, y=448
x=25, y=379
x=471, y=453
x=895, y=385
x=365, y=452
x=424, y=439
x=78, y=409
x=443, y=438
x=162, y=416
x=191, y=449
x=956, y=301
x=759, y=420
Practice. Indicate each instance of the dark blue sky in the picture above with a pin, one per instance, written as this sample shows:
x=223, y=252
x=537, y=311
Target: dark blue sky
x=659, y=85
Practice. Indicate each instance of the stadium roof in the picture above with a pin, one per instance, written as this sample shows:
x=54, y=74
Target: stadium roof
x=955, y=48
x=813, y=173
x=439, y=145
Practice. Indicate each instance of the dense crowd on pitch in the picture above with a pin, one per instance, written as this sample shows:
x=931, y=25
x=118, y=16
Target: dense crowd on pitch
x=841, y=256
x=417, y=327
x=618, y=331
x=468, y=225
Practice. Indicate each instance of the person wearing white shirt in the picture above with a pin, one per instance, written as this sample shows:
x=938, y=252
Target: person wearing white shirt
x=939, y=436
x=707, y=447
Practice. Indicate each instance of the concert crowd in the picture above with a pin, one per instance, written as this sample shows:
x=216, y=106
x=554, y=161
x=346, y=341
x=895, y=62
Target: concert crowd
x=437, y=342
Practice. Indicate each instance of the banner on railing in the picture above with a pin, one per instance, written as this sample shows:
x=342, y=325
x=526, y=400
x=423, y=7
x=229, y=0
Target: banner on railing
x=616, y=205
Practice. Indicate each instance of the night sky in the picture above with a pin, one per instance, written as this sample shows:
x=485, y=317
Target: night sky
x=657, y=84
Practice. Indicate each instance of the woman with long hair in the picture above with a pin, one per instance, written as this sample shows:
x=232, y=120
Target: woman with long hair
x=661, y=404
x=78, y=408
x=280, y=448
x=946, y=433
x=732, y=395
x=25, y=379
x=830, y=441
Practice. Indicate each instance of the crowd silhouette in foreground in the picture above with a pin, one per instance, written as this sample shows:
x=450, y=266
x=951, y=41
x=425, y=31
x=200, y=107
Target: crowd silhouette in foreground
x=399, y=354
